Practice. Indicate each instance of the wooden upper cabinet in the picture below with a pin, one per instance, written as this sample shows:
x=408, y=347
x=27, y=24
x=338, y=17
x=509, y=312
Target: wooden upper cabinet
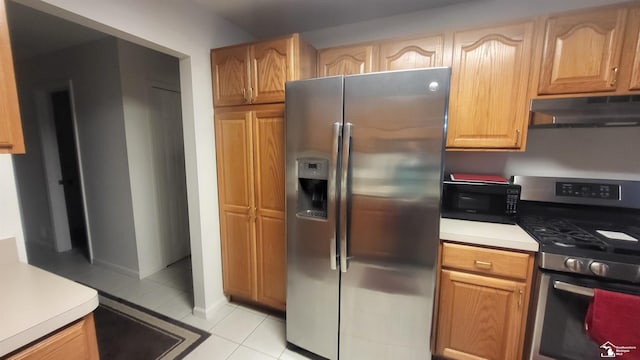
x=230, y=73
x=488, y=106
x=271, y=67
x=582, y=52
x=347, y=60
x=11, y=140
x=634, y=53
x=256, y=73
x=415, y=53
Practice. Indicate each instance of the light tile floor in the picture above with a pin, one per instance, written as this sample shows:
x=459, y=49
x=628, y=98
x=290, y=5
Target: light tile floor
x=238, y=332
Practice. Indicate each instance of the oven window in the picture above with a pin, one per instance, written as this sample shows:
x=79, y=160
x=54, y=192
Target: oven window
x=563, y=334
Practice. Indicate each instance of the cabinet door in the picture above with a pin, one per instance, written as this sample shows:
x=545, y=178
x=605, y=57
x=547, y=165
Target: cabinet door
x=271, y=66
x=235, y=196
x=479, y=317
x=11, y=140
x=269, y=179
x=230, y=75
x=635, y=51
x=349, y=60
x=488, y=106
x=74, y=342
x=582, y=52
x=411, y=54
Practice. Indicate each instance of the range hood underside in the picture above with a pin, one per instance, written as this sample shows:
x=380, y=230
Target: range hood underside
x=602, y=111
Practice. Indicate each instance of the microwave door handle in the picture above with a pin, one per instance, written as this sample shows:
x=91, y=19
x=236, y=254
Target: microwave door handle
x=333, y=189
x=574, y=289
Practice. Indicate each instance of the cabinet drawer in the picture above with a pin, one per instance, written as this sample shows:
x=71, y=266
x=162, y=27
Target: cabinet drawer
x=488, y=261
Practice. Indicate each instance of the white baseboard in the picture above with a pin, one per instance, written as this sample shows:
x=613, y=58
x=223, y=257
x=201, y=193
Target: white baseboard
x=117, y=268
x=210, y=310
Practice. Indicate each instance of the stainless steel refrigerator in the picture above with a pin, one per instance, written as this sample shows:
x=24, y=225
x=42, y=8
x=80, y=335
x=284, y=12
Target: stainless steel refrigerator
x=364, y=158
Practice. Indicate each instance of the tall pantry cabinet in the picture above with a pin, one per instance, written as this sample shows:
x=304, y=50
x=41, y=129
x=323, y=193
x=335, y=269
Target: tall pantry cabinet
x=248, y=94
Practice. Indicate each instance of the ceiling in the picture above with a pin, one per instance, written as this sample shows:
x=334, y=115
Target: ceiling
x=268, y=18
x=34, y=33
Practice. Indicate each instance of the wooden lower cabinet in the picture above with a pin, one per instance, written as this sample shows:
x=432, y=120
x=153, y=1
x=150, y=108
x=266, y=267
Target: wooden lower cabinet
x=75, y=342
x=250, y=164
x=481, y=315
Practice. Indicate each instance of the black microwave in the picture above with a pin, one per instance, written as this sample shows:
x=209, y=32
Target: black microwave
x=497, y=203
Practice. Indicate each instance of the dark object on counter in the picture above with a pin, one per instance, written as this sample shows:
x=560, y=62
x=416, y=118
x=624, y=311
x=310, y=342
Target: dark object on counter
x=480, y=201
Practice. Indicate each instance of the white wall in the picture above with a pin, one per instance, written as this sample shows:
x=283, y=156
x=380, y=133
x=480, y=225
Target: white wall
x=609, y=153
x=94, y=73
x=188, y=31
x=458, y=16
x=10, y=220
x=158, y=210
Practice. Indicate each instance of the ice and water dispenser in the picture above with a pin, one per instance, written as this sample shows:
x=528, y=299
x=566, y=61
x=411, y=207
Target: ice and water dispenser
x=312, y=187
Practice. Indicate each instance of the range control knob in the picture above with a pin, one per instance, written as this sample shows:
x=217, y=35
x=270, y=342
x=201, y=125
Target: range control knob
x=599, y=268
x=573, y=264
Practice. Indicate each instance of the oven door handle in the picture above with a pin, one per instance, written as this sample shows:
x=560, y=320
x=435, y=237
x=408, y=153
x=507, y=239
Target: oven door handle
x=574, y=289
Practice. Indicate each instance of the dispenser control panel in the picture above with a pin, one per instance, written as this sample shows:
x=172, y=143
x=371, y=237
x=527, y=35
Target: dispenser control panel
x=313, y=169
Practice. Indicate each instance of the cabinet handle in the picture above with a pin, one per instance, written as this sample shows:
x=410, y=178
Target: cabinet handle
x=244, y=95
x=517, y=137
x=615, y=76
x=251, y=95
x=482, y=264
x=520, y=292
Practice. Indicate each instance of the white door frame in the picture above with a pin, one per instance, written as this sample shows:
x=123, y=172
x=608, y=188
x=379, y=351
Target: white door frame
x=52, y=169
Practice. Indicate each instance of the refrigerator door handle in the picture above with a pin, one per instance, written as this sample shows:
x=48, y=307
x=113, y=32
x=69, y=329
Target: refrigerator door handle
x=335, y=151
x=346, y=154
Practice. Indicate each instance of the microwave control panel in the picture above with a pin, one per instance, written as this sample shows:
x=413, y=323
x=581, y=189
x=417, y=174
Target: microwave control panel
x=588, y=190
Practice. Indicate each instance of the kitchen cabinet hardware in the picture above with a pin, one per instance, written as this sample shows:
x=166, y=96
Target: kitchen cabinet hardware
x=614, y=79
x=520, y=293
x=483, y=264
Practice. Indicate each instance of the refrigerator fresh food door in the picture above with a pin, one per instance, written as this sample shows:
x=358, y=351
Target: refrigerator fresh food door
x=396, y=122
x=313, y=133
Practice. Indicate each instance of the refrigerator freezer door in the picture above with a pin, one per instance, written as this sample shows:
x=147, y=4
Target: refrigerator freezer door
x=314, y=119
x=393, y=188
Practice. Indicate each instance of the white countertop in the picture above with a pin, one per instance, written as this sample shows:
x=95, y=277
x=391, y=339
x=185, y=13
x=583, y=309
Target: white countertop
x=35, y=302
x=506, y=236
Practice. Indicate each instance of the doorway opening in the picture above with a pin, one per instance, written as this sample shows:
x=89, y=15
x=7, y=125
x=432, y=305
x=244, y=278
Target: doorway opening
x=70, y=181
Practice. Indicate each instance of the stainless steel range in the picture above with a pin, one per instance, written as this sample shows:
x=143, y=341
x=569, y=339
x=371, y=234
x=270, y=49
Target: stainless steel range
x=589, y=235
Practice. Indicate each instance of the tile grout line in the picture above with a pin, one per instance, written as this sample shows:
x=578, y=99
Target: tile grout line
x=219, y=321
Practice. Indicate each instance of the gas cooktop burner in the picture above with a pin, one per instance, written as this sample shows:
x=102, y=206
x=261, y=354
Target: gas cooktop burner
x=560, y=232
x=588, y=227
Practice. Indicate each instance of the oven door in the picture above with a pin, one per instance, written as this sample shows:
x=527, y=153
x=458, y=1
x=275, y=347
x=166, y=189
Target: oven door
x=563, y=301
